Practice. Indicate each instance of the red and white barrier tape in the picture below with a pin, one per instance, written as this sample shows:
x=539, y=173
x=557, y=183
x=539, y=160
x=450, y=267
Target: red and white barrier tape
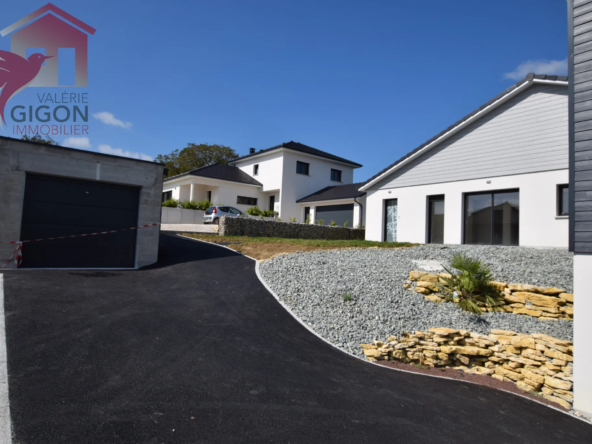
x=18, y=253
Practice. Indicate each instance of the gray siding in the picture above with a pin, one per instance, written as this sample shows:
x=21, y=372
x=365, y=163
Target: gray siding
x=581, y=126
x=527, y=134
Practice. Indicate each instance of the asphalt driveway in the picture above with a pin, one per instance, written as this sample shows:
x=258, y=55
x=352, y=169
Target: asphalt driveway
x=196, y=350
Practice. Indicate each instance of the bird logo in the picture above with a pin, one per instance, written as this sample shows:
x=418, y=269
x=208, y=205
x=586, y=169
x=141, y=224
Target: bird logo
x=16, y=73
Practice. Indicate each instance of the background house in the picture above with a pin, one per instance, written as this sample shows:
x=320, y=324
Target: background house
x=498, y=176
x=277, y=178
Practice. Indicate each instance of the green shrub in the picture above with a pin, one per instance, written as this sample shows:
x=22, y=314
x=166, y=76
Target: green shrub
x=279, y=219
x=307, y=221
x=190, y=205
x=347, y=297
x=171, y=203
x=471, y=286
x=268, y=213
x=333, y=223
x=253, y=211
x=293, y=220
x=203, y=205
x=319, y=221
x=345, y=223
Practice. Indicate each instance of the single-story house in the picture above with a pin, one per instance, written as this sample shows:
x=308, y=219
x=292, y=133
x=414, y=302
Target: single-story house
x=279, y=178
x=49, y=191
x=497, y=176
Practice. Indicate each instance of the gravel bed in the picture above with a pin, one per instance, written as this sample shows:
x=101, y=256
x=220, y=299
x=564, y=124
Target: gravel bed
x=312, y=285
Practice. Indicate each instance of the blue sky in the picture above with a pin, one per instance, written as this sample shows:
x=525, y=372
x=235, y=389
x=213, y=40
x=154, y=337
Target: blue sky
x=365, y=80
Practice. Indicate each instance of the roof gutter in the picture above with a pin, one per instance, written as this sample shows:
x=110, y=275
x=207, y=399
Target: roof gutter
x=464, y=124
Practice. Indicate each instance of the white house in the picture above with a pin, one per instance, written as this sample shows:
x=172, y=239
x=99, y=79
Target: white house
x=282, y=178
x=498, y=176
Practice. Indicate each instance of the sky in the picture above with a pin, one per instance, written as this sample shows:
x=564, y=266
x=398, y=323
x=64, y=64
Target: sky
x=365, y=80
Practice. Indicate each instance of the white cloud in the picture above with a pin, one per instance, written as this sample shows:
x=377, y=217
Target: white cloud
x=106, y=149
x=109, y=119
x=77, y=142
x=551, y=67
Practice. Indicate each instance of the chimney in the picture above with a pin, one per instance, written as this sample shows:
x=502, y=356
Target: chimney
x=252, y=150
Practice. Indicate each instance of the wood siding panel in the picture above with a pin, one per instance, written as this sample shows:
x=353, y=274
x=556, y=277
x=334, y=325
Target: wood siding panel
x=584, y=86
x=527, y=134
x=582, y=38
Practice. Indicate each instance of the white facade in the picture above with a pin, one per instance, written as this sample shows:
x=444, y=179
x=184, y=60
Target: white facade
x=358, y=215
x=582, y=334
x=519, y=142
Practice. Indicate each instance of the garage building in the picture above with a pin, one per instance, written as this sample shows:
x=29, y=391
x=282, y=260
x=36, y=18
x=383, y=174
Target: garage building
x=51, y=191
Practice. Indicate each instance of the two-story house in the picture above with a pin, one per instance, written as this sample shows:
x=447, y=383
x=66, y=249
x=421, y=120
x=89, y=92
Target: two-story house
x=292, y=179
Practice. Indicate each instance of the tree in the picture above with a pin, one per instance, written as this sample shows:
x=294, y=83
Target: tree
x=39, y=138
x=196, y=156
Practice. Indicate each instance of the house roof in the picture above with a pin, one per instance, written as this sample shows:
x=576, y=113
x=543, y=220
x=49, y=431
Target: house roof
x=220, y=172
x=48, y=8
x=301, y=148
x=484, y=109
x=336, y=192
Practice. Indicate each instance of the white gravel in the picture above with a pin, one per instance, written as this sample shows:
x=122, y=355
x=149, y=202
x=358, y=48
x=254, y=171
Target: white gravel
x=312, y=285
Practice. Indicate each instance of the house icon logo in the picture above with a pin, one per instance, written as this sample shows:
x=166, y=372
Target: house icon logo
x=60, y=37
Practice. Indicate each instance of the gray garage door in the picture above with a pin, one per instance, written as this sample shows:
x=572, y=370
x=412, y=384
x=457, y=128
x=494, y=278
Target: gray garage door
x=337, y=213
x=58, y=206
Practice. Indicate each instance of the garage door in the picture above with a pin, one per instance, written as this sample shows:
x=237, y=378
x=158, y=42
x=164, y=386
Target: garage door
x=337, y=213
x=58, y=206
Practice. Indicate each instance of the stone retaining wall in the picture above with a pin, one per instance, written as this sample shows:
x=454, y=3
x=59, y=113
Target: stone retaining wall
x=242, y=226
x=545, y=303
x=536, y=363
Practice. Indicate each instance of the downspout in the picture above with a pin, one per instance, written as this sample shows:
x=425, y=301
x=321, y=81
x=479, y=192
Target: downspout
x=361, y=213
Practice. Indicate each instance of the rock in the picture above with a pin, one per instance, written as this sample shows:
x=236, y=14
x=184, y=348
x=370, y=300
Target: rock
x=558, y=355
x=481, y=371
x=500, y=377
x=367, y=346
x=552, y=291
x=535, y=385
x=499, y=285
x=466, y=350
x=536, y=299
x=443, y=331
x=463, y=359
x=526, y=387
x=504, y=340
x=429, y=285
x=528, y=312
x=567, y=297
x=428, y=277
x=557, y=383
x=423, y=290
x=524, y=287
x=528, y=374
x=433, y=298
x=496, y=331
x=523, y=342
x=567, y=310
x=414, y=275
x=511, y=349
x=563, y=403
x=373, y=353
x=547, y=344
x=509, y=374
x=551, y=339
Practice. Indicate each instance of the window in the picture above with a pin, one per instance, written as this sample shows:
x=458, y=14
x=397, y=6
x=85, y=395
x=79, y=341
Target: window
x=492, y=218
x=255, y=169
x=436, y=219
x=306, y=214
x=562, y=200
x=390, y=220
x=335, y=175
x=246, y=200
x=302, y=168
x=167, y=195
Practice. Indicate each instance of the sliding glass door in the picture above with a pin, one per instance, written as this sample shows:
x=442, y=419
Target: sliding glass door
x=492, y=218
x=390, y=220
x=436, y=219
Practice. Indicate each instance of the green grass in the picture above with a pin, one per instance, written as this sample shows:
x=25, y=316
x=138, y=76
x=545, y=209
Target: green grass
x=319, y=243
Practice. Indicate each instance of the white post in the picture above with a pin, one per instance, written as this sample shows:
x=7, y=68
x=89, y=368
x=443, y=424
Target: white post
x=191, y=192
x=582, y=334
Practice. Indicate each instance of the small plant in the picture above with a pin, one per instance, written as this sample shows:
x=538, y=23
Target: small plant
x=268, y=213
x=171, y=203
x=471, y=287
x=345, y=223
x=319, y=221
x=279, y=219
x=293, y=220
x=254, y=211
x=333, y=223
x=347, y=297
x=261, y=216
x=203, y=205
x=190, y=205
x=358, y=226
x=307, y=221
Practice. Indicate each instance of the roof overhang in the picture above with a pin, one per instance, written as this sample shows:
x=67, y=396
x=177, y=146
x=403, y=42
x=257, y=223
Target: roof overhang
x=190, y=178
x=514, y=92
x=280, y=150
x=344, y=200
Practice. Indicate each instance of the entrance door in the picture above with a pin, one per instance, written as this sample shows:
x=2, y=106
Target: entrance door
x=436, y=220
x=492, y=218
x=390, y=220
x=272, y=203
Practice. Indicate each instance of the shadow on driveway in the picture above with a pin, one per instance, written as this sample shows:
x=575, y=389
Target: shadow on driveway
x=196, y=350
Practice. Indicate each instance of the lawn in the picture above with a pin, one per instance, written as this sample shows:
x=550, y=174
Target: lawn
x=262, y=248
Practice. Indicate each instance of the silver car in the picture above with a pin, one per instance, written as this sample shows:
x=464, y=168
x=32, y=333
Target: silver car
x=213, y=214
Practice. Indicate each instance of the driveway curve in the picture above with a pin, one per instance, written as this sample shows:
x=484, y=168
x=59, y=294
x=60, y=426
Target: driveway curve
x=196, y=350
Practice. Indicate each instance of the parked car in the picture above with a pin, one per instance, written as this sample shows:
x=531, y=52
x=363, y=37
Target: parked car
x=213, y=214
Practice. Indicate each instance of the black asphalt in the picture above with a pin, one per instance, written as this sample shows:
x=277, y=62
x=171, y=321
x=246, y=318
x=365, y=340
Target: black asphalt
x=196, y=350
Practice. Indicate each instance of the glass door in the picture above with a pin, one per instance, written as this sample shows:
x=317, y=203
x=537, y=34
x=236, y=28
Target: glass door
x=390, y=220
x=436, y=219
x=492, y=218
